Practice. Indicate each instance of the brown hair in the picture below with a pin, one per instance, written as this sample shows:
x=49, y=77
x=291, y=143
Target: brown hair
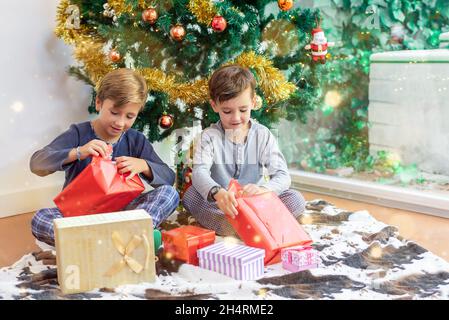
x=123, y=86
x=229, y=81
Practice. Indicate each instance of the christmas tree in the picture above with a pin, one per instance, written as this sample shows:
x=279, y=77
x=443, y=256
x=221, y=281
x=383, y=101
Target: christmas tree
x=177, y=44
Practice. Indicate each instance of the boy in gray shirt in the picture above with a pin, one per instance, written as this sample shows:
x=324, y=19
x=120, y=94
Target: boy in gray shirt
x=236, y=147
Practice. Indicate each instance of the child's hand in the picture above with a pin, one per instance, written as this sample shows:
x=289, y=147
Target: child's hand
x=226, y=202
x=94, y=148
x=252, y=189
x=132, y=165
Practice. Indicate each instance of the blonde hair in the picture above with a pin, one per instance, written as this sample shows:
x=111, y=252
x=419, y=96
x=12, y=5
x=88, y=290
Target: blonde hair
x=123, y=86
x=229, y=81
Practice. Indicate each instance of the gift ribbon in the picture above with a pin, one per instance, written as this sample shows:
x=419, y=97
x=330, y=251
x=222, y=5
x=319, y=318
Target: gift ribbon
x=134, y=243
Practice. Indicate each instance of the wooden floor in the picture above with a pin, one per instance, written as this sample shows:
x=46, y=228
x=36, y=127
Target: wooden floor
x=430, y=232
x=15, y=238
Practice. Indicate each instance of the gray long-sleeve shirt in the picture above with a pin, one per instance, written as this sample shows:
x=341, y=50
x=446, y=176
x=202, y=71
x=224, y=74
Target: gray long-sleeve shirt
x=132, y=143
x=217, y=160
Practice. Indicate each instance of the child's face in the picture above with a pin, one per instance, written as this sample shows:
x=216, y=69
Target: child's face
x=113, y=120
x=236, y=112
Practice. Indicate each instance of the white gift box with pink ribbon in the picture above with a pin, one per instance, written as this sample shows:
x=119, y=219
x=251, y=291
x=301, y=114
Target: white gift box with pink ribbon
x=236, y=261
x=299, y=258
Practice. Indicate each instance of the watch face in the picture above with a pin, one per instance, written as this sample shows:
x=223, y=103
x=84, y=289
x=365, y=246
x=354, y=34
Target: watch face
x=215, y=191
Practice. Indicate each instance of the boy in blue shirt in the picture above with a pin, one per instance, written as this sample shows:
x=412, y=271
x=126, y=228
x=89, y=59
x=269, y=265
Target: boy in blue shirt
x=121, y=95
x=236, y=147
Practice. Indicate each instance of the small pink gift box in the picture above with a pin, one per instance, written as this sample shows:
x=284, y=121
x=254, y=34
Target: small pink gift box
x=236, y=261
x=299, y=258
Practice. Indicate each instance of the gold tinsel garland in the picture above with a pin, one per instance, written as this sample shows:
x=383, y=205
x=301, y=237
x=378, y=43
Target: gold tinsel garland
x=203, y=10
x=89, y=50
x=190, y=93
x=120, y=7
x=70, y=36
x=272, y=82
x=197, y=92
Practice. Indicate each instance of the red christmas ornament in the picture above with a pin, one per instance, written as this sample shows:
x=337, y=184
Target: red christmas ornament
x=285, y=5
x=114, y=55
x=178, y=32
x=187, y=176
x=166, y=121
x=150, y=15
x=219, y=23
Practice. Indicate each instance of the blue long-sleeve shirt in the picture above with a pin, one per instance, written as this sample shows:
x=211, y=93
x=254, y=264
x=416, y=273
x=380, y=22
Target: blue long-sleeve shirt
x=132, y=143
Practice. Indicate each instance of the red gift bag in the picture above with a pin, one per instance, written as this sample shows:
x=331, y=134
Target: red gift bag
x=263, y=221
x=99, y=188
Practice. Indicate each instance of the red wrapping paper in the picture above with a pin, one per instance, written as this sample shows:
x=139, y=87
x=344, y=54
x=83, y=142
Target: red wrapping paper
x=99, y=188
x=263, y=221
x=182, y=243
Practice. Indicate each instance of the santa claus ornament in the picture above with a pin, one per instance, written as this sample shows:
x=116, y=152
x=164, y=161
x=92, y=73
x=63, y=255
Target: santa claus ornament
x=319, y=45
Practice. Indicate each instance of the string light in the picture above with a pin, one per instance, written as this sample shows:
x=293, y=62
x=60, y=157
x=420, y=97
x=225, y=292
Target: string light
x=376, y=252
x=262, y=292
x=306, y=218
x=332, y=98
x=17, y=106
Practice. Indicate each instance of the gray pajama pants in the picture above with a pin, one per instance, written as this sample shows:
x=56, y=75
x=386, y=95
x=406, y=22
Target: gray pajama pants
x=211, y=217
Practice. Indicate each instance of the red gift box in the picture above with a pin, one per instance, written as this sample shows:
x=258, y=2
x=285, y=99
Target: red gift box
x=183, y=242
x=99, y=188
x=299, y=258
x=263, y=221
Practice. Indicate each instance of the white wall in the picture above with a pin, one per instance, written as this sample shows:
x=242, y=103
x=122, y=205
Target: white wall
x=38, y=100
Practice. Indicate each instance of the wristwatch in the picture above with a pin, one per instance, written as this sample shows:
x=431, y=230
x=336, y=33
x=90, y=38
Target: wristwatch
x=213, y=191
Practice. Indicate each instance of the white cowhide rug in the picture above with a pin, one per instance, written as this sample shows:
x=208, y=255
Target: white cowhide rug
x=361, y=258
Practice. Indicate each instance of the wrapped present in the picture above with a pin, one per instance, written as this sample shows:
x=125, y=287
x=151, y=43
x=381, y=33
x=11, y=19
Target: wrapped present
x=299, y=258
x=104, y=250
x=183, y=242
x=236, y=261
x=98, y=188
x=263, y=221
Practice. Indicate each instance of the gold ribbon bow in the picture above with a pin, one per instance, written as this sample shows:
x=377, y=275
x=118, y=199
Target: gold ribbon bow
x=134, y=243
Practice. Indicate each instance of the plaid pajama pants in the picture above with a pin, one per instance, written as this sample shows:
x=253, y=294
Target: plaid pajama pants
x=211, y=217
x=159, y=203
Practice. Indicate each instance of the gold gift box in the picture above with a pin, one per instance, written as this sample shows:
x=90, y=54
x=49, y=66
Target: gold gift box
x=104, y=250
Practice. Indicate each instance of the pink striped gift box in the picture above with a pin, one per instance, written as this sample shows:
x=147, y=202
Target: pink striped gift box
x=236, y=261
x=299, y=258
